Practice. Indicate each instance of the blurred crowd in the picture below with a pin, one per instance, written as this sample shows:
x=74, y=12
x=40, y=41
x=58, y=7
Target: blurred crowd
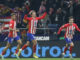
x=58, y=10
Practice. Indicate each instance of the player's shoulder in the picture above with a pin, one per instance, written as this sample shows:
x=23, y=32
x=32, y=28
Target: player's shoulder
x=74, y=24
x=12, y=20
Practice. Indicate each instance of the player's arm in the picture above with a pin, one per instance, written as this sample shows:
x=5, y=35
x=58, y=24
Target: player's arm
x=27, y=18
x=62, y=27
x=77, y=28
x=42, y=17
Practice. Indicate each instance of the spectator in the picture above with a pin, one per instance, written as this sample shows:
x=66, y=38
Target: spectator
x=42, y=8
x=51, y=15
x=59, y=16
x=17, y=11
x=8, y=3
x=57, y=10
x=77, y=13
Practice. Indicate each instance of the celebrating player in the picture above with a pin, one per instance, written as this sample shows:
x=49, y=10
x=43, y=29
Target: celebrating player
x=12, y=36
x=32, y=29
x=70, y=28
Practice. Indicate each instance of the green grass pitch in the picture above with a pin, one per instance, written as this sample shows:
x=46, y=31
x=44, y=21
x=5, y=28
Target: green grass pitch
x=41, y=59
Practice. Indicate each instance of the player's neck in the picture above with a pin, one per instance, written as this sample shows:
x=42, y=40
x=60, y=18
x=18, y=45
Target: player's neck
x=33, y=17
x=71, y=24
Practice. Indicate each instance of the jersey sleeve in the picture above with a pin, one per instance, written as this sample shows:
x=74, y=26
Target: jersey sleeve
x=62, y=27
x=27, y=18
x=42, y=17
x=77, y=28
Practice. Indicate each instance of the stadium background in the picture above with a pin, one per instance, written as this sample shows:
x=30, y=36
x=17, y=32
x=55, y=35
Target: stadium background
x=49, y=44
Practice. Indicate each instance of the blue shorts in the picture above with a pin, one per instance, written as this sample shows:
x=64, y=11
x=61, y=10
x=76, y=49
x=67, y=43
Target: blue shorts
x=10, y=39
x=30, y=37
x=68, y=41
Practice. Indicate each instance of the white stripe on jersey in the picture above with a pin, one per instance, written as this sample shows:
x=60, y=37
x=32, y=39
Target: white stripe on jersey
x=14, y=32
x=31, y=25
x=70, y=31
x=67, y=31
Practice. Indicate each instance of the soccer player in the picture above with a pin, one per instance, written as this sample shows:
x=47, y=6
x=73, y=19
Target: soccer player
x=70, y=28
x=12, y=36
x=33, y=20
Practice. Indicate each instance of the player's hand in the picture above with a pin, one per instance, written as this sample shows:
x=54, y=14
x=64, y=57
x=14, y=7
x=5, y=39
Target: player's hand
x=17, y=30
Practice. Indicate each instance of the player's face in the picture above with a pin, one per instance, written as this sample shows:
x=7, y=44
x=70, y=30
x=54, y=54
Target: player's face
x=71, y=21
x=34, y=14
x=14, y=17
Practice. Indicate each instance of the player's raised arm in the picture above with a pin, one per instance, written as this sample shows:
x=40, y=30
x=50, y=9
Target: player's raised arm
x=27, y=18
x=62, y=27
x=77, y=28
x=42, y=17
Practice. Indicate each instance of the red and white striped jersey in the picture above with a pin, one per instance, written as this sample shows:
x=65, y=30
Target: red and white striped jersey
x=32, y=26
x=69, y=30
x=12, y=25
x=33, y=23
